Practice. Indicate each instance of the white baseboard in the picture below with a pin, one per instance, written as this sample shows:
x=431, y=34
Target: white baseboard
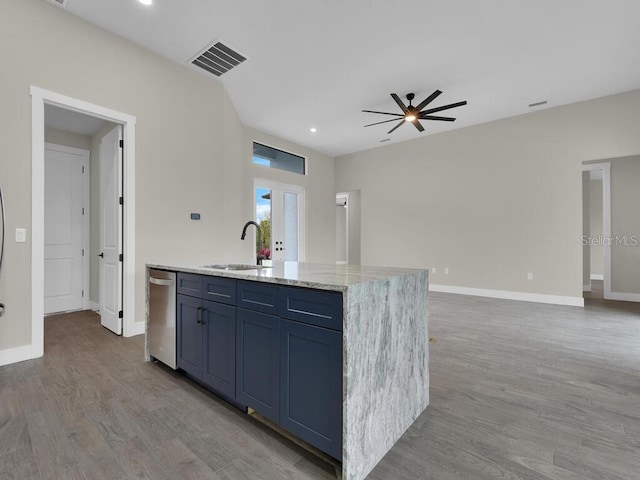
x=586, y=288
x=507, y=295
x=94, y=306
x=597, y=276
x=137, y=328
x=15, y=355
x=625, y=297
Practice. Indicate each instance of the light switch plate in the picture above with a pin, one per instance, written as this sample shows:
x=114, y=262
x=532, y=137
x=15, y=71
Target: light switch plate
x=21, y=235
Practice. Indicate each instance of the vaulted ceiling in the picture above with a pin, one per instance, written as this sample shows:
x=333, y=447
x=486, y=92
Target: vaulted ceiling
x=319, y=63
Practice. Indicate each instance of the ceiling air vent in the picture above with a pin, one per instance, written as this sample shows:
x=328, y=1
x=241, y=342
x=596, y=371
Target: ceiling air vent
x=218, y=59
x=60, y=3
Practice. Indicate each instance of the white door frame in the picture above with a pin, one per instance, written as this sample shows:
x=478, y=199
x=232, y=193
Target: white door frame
x=605, y=168
x=86, y=218
x=40, y=97
x=275, y=186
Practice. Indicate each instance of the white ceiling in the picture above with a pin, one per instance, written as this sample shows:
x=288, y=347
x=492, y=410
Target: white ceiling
x=320, y=63
x=70, y=121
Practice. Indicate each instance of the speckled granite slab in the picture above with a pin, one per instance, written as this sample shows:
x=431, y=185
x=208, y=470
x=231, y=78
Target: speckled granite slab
x=309, y=275
x=385, y=348
x=386, y=367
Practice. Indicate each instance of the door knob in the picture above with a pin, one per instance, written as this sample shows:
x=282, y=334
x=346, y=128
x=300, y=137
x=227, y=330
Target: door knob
x=101, y=255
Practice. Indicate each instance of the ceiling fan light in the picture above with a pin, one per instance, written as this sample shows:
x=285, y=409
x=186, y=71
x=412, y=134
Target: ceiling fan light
x=410, y=117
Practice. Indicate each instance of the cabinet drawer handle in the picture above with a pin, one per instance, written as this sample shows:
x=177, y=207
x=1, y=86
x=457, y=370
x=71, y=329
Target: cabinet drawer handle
x=199, y=315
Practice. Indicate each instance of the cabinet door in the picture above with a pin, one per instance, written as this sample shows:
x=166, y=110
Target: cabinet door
x=258, y=359
x=311, y=385
x=219, y=331
x=189, y=335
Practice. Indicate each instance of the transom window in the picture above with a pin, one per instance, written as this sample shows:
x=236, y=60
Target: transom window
x=275, y=158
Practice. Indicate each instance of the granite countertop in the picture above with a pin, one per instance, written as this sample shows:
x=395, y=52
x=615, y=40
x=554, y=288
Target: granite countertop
x=320, y=276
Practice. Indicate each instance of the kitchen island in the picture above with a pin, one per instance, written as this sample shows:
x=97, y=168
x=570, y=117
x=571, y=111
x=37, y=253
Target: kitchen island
x=366, y=326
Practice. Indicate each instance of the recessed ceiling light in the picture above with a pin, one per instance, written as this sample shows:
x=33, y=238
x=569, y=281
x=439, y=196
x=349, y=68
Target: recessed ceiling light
x=146, y=2
x=313, y=129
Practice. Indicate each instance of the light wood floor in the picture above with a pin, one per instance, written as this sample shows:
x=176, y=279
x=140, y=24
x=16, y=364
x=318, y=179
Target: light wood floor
x=518, y=391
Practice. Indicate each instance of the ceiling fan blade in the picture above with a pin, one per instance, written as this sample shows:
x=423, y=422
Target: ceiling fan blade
x=445, y=107
x=398, y=125
x=384, y=121
x=432, y=117
x=428, y=100
x=399, y=102
x=418, y=125
x=384, y=113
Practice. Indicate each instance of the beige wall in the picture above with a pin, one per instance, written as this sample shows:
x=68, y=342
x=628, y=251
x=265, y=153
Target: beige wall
x=59, y=137
x=625, y=224
x=595, y=226
x=493, y=201
x=319, y=190
x=178, y=150
x=191, y=150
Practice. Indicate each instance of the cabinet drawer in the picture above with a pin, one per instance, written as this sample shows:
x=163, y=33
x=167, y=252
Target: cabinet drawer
x=219, y=289
x=261, y=297
x=314, y=307
x=190, y=284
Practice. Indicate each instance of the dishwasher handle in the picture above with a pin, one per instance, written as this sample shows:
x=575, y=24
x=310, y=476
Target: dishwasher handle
x=162, y=281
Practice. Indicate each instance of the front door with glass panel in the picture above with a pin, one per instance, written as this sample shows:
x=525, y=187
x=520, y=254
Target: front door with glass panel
x=280, y=213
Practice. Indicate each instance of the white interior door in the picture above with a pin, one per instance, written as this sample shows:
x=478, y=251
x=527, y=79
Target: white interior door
x=111, y=231
x=64, y=228
x=283, y=206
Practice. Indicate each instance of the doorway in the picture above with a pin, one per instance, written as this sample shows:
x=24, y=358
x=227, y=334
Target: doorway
x=75, y=194
x=348, y=237
x=126, y=314
x=280, y=212
x=596, y=215
x=342, y=229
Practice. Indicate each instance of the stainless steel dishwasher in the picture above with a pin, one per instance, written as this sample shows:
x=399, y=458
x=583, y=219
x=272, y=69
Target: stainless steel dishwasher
x=162, y=317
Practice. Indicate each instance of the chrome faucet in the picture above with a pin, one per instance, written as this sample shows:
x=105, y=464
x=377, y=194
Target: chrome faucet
x=244, y=234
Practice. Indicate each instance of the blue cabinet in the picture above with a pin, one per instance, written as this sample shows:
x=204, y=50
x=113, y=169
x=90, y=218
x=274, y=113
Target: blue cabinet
x=311, y=385
x=206, y=331
x=219, y=348
x=258, y=360
x=189, y=335
x=290, y=365
x=276, y=349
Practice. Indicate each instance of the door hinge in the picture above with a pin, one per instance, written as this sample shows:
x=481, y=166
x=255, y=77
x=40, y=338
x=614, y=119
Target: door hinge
x=120, y=314
x=83, y=252
x=121, y=143
x=121, y=257
x=83, y=169
x=83, y=210
x=121, y=200
x=82, y=293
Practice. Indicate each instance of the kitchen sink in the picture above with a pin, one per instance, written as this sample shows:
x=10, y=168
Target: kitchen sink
x=235, y=266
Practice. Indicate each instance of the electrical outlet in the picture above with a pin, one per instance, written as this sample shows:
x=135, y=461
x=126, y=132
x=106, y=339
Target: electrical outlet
x=21, y=235
x=433, y=270
x=446, y=270
x=530, y=276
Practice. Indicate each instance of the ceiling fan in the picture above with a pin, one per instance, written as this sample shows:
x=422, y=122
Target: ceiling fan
x=411, y=114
